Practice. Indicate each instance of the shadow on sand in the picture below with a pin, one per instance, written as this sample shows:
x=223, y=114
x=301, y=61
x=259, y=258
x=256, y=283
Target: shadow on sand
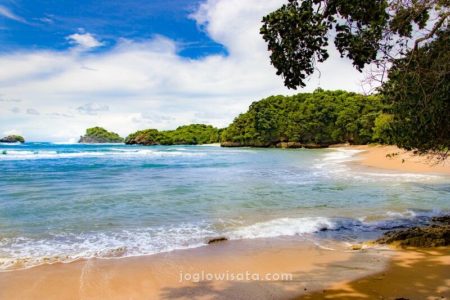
x=411, y=274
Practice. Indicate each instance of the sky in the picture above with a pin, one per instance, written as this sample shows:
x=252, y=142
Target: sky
x=136, y=64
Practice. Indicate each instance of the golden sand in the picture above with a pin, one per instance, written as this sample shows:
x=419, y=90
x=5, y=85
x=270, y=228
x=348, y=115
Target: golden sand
x=412, y=274
x=394, y=158
x=158, y=276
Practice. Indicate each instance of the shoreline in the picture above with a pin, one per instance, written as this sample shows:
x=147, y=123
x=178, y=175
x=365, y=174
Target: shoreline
x=395, y=159
x=316, y=273
x=164, y=276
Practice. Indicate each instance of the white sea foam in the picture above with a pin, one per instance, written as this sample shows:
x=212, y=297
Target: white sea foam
x=6, y=154
x=283, y=227
x=11, y=144
x=334, y=164
x=22, y=252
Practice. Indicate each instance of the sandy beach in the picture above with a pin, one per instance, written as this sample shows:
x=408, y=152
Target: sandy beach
x=396, y=159
x=316, y=273
x=411, y=274
x=287, y=268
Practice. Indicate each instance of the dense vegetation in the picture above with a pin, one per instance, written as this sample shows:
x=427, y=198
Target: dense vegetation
x=12, y=139
x=407, y=39
x=100, y=135
x=418, y=91
x=309, y=120
x=194, y=134
x=375, y=31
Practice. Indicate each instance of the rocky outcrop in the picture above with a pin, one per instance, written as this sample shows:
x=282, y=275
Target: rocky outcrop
x=12, y=139
x=434, y=235
x=283, y=145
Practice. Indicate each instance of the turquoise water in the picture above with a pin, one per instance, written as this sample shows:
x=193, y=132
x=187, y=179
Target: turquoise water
x=64, y=202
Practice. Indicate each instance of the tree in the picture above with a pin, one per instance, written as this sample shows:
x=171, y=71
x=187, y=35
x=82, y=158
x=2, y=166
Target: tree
x=100, y=135
x=406, y=40
x=366, y=31
x=418, y=90
x=313, y=119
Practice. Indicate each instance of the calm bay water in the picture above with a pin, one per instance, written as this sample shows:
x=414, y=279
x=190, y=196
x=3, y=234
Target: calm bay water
x=64, y=202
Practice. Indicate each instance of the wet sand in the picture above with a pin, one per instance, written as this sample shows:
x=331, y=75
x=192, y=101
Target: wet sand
x=396, y=159
x=411, y=274
x=159, y=276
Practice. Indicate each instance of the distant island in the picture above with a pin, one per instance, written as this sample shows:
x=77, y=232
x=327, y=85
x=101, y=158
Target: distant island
x=194, y=134
x=304, y=120
x=12, y=139
x=100, y=135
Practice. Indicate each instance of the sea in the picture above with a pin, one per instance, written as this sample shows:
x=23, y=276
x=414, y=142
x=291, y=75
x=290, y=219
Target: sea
x=65, y=202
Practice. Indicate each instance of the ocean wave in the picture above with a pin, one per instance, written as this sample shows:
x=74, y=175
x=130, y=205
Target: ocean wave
x=6, y=154
x=283, y=227
x=334, y=165
x=22, y=252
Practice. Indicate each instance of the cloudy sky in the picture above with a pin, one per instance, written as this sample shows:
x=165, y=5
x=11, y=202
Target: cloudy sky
x=136, y=64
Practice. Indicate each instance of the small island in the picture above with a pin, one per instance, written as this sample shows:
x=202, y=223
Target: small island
x=97, y=135
x=194, y=134
x=12, y=139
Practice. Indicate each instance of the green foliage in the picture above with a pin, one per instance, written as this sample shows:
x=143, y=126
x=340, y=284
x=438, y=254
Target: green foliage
x=418, y=91
x=320, y=118
x=100, y=135
x=194, y=134
x=364, y=31
x=382, y=131
x=144, y=137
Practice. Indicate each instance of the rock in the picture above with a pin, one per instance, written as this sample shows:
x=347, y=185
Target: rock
x=288, y=145
x=217, y=240
x=356, y=247
x=12, y=139
x=442, y=219
x=231, y=144
x=435, y=235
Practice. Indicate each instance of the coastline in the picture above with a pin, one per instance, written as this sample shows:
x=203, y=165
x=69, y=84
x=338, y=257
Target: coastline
x=316, y=273
x=396, y=159
x=159, y=276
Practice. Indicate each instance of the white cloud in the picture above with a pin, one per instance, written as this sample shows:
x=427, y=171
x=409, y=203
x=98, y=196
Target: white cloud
x=147, y=84
x=32, y=111
x=5, y=12
x=84, y=40
x=92, y=108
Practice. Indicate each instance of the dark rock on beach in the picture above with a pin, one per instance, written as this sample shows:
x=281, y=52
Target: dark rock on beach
x=12, y=139
x=217, y=240
x=434, y=235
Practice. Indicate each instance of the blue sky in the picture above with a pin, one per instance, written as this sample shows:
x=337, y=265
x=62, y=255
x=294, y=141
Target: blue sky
x=45, y=24
x=130, y=65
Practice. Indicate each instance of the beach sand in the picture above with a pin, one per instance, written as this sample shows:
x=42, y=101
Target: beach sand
x=411, y=274
x=396, y=159
x=158, y=276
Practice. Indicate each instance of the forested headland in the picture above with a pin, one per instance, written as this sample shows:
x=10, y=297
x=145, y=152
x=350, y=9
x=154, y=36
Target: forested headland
x=310, y=120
